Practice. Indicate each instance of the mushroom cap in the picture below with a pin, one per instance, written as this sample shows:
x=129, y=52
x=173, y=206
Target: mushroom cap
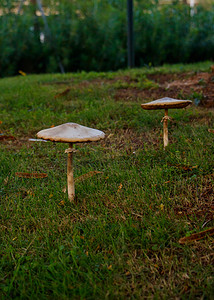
x=71, y=133
x=165, y=103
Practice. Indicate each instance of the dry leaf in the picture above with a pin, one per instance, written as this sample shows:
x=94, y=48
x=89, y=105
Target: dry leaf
x=183, y=167
x=197, y=236
x=161, y=206
x=7, y=137
x=87, y=175
x=6, y=180
x=120, y=187
x=31, y=175
x=211, y=130
x=110, y=135
x=22, y=73
x=64, y=93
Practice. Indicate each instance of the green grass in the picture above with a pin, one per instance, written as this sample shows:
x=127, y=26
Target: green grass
x=119, y=240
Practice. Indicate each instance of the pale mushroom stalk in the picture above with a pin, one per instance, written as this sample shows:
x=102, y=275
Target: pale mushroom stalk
x=166, y=103
x=70, y=172
x=165, y=129
x=70, y=133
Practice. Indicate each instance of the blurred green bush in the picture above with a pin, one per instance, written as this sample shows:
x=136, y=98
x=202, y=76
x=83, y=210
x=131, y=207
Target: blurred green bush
x=91, y=35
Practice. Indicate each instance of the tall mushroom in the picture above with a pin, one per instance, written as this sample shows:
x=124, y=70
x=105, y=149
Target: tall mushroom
x=70, y=133
x=166, y=103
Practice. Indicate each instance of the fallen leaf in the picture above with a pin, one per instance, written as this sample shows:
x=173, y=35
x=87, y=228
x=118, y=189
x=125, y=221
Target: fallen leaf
x=87, y=175
x=6, y=180
x=110, y=135
x=161, y=206
x=196, y=236
x=185, y=276
x=31, y=175
x=7, y=137
x=211, y=130
x=183, y=167
x=120, y=187
x=98, y=247
x=127, y=273
x=64, y=93
x=22, y=73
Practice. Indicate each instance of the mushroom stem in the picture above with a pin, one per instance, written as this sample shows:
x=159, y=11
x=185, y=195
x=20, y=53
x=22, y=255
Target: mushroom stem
x=70, y=173
x=165, y=129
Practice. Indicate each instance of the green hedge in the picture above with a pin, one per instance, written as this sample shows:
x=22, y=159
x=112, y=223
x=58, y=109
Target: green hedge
x=89, y=37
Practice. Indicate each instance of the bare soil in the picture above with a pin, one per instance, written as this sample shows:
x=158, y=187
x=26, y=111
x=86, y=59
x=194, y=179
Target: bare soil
x=198, y=87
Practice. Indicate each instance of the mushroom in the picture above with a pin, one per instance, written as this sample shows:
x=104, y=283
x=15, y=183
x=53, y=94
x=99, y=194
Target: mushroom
x=70, y=133
x=166, y=103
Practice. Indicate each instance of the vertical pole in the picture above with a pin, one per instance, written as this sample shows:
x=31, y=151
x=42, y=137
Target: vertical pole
x=70, y=173
x=192, y=10
x=130, y=34
x=47, y=29
x=165, y=129
x=20, y=7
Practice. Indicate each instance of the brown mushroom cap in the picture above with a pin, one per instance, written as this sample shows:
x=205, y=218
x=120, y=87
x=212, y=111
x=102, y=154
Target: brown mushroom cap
x=71, y=133
x=166, y=103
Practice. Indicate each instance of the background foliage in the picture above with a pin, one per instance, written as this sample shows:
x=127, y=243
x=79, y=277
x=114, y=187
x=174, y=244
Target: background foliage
x=91, y=35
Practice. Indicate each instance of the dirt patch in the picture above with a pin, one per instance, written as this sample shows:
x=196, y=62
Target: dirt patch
x=134, y=94
x=198, y=87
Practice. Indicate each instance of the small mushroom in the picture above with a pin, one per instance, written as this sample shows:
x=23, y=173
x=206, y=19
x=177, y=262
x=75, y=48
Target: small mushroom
x=166, y=103
x=70, y=133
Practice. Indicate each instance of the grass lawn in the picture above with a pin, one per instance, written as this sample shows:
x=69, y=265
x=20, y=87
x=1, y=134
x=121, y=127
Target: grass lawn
x=134, y=201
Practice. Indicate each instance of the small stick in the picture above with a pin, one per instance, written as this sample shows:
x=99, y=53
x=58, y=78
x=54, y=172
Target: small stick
x=70, y=173
x=165, y=129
